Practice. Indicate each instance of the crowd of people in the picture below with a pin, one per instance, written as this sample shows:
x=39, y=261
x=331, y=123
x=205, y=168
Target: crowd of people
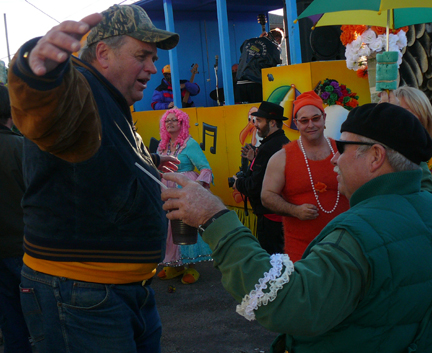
x=341, y=261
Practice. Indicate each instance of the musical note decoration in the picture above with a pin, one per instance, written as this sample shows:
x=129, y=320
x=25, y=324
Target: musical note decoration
x=209, y=130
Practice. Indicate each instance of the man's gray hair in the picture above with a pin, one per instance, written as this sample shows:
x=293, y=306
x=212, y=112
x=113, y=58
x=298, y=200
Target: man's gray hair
x=396, y=160
x=88, y=53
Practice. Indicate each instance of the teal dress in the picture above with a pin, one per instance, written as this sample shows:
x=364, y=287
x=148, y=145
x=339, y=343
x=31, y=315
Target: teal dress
x=191, y=157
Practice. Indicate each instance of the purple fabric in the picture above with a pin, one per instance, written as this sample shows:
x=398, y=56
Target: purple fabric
x=315, y=18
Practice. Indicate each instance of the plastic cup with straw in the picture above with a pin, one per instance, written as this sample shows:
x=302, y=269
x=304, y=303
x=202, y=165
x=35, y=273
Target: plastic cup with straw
x=182, y=233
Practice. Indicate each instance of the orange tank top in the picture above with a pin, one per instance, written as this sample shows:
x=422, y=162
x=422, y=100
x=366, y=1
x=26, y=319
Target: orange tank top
x=298, y=190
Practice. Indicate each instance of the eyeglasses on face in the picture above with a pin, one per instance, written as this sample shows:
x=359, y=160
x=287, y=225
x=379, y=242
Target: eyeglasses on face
x=305, y=121
x=174, y=120
x=340, y=144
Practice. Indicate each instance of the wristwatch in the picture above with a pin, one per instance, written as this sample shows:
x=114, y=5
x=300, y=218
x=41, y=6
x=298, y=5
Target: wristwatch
x=203, y=227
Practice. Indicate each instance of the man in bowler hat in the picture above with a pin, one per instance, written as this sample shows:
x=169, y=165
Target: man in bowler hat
x=268, y=122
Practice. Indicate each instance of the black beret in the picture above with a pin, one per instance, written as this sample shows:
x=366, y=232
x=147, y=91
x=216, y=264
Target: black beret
x=394, y=127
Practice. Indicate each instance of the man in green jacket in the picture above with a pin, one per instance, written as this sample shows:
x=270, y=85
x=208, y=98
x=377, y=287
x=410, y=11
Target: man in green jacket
x=365, y=283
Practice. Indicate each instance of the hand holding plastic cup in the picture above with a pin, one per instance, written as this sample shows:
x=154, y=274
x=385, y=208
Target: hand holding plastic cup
x=182, y=233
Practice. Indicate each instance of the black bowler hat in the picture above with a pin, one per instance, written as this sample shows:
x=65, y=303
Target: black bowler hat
x=270, y=111
x=393, y=126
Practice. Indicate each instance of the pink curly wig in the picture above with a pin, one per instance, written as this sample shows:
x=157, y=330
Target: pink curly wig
x=183, y=119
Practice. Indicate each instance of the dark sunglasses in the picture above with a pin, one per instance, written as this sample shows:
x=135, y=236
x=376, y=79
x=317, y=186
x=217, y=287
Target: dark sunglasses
x=340, y=144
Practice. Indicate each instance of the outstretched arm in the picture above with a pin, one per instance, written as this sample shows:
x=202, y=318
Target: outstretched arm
x=59, y=43
x=324, y=288
x=56, y=111
x=273, y=185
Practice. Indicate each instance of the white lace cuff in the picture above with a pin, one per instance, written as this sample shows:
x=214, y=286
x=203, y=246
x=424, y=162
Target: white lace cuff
x=274, y=279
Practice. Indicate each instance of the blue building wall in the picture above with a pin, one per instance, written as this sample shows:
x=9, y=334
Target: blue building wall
x=199, y=43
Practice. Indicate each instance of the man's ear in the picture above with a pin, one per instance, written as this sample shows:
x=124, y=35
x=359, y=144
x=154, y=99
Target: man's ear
x=377, y=157
x=295, y=122
x=103, y=52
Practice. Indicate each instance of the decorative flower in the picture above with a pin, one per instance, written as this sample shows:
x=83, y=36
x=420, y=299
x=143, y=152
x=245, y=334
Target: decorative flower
x=350, y=33
x=334, y=94
x=402, y=41
x=368, y=36
x=320, y=187
x=362, y=72
x=378, y=30
x=325, y=95
x=362, y=42
x=376, y=45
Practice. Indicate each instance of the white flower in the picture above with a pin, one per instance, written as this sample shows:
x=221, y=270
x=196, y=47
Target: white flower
x=393, y=40
x=363, y=60
x=356, y=44
x=368, y=36
x=393, y=47
x=402, y=40
x=350, y=52
x=351, y=64
x=376, y=45
x=399, y=59
x=368, y=44
x=364, y=51
x=351, y=60
x=393, y=43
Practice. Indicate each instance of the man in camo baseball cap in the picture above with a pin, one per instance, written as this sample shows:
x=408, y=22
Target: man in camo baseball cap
x=133, y=21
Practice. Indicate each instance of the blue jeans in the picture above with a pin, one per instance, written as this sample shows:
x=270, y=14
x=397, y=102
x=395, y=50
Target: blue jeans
x=70, y=316
x=15, y=332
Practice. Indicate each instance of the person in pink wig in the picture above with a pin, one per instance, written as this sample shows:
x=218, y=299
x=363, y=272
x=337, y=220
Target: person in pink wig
x=176, y=141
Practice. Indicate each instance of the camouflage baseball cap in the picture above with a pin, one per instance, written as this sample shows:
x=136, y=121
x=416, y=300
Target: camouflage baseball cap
x=133, y=21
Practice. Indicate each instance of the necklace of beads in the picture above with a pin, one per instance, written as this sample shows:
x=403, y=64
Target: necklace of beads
x=176, y=149
x=311, y=179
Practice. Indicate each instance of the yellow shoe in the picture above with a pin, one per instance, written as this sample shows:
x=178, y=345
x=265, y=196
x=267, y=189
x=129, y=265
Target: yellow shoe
x=170, y=272
x=190, y=276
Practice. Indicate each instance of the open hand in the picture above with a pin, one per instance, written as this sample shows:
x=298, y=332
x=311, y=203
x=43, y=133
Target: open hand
x=248, y=151
x=57, y=45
